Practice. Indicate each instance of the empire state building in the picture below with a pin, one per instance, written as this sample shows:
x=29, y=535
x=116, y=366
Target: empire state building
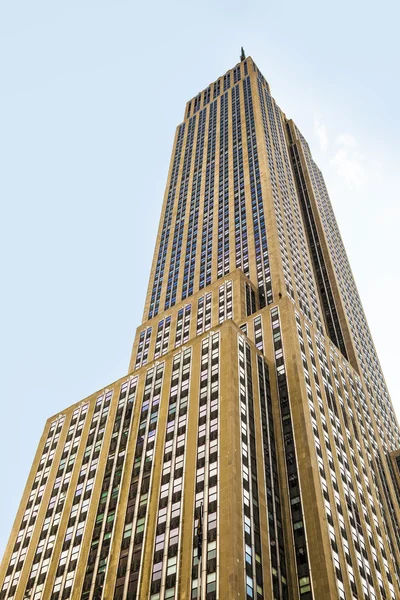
x=251, y=451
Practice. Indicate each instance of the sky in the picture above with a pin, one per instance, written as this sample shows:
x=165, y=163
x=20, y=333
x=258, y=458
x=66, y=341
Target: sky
x=90, y=95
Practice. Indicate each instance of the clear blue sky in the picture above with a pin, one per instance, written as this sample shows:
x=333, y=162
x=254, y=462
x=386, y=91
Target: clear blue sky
x=91, y=93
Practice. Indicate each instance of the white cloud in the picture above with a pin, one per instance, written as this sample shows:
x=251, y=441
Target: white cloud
x=321, y=133
x=349, y=163
x=346, y=139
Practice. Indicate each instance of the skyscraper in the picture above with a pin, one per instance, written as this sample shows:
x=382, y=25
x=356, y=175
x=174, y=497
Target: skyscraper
x=252, y=450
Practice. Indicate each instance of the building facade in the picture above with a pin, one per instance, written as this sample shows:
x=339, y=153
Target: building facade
x=252, y=451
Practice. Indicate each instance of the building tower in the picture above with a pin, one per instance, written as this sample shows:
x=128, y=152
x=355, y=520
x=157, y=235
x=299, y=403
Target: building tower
x=252, y=451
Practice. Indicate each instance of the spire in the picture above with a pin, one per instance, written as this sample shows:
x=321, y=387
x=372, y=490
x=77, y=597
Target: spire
x=242, y=55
